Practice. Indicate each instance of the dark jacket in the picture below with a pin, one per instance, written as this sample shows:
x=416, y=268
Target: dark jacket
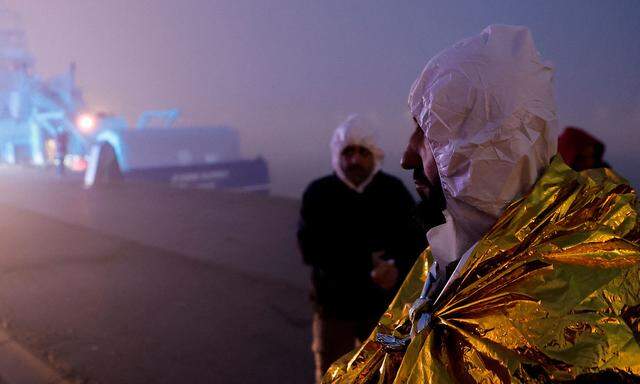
x=338, y=232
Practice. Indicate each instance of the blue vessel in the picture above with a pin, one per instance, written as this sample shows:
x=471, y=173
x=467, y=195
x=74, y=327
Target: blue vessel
x=47, y=123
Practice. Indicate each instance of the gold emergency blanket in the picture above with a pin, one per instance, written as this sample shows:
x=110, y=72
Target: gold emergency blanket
x=550, y=293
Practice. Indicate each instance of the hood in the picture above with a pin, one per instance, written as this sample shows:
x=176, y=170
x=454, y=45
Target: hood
x=487, y=109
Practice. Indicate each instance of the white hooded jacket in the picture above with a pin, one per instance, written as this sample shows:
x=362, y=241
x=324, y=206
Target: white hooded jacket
x=487, y=109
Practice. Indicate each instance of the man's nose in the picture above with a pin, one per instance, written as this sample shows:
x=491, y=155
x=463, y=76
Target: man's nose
x=356, y=158
x=410, y=159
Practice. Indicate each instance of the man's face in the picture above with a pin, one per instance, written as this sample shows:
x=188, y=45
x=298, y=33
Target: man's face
x=419, y=158
x=357, y=163
x=586, y=158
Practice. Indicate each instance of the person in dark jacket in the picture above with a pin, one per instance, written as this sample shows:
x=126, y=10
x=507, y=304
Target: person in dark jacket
x=62, y=142
x=356, y=232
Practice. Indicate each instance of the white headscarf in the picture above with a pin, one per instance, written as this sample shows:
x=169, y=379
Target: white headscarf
x=356, y=130
x=487, y=108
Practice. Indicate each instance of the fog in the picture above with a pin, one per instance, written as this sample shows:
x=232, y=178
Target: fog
x=286, y=72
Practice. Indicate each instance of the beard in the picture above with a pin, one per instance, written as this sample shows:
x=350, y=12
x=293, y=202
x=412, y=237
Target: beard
x=428, y=211
x=357, y=174
x=428, y=215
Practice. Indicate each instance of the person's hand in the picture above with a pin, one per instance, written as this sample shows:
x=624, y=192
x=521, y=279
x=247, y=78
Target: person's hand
x=385, y=274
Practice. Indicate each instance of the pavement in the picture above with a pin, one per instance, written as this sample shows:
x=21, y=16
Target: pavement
x=19, y=365
x=148, y=284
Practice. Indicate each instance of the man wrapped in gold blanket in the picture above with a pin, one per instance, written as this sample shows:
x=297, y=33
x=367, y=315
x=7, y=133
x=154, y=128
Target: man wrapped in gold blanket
x=535, y=276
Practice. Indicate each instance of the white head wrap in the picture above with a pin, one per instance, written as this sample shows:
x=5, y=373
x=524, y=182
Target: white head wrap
x=487, y=108
x=356, y=130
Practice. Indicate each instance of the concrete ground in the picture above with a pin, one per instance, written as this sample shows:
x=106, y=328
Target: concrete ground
x=147, y=284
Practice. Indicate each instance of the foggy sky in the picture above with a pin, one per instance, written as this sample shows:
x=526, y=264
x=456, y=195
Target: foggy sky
x=286, y=72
